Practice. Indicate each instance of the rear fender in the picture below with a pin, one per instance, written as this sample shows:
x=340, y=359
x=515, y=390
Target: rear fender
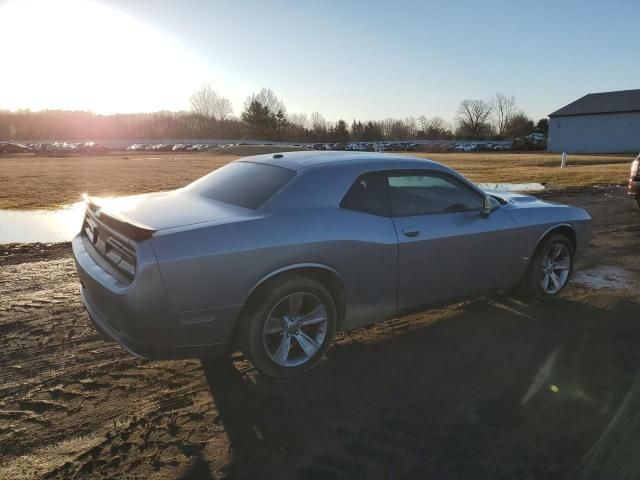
x=289, y=268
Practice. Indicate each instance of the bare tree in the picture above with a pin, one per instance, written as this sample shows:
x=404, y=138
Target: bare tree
x=386, y=126
x=473, y=116
x=438, y=124
x=203, y=101
x=223, y=109
x=297, y=119
x=412, y=126
x=318, y=122
x=519, y=124
x=504, y=109
x=423, y=123
x=206, y=103
x=438, y=128
x=268, y=99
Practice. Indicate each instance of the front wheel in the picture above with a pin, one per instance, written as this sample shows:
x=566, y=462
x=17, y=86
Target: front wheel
x=550, y=268
x=290, y=328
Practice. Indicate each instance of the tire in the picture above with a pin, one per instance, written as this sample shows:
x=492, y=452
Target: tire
x=277, y=338
x=637, y=200
x=539, y=272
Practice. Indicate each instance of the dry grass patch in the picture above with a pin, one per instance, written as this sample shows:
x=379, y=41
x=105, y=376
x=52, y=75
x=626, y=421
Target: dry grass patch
x=29, y=182
x=582, y=170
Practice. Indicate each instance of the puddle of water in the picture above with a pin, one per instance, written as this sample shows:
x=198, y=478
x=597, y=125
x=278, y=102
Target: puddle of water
x=512, y=187
x=49, y=226
x=25, y=226
x=605, y=277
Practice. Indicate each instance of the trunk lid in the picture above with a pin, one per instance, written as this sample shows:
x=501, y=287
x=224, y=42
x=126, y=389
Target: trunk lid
x=111, y=227
x=164, y=210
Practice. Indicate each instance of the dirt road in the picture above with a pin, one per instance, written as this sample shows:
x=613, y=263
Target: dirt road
x=491, y=388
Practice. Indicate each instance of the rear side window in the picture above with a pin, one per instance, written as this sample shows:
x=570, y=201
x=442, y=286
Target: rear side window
x=245, y=184
x=368, y=194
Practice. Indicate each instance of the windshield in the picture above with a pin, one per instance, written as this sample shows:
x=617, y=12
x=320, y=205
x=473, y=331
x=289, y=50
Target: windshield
x=245, y=184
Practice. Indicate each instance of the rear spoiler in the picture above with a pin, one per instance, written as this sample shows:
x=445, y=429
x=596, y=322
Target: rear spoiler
x=127, y=227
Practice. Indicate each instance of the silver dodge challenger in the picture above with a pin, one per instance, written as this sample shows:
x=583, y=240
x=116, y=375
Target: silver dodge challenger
x=275, y=253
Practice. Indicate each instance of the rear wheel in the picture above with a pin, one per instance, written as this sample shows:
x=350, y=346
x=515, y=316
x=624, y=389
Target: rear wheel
x=290, y=327
x=550, y=268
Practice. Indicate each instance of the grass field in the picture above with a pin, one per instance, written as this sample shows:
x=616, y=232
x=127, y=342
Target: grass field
x=31, y=182
x=582, y=170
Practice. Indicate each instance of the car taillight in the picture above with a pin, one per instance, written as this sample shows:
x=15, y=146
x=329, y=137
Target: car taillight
x=634, y=167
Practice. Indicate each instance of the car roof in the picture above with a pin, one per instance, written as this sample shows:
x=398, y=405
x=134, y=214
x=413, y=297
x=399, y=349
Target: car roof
x=299, y=161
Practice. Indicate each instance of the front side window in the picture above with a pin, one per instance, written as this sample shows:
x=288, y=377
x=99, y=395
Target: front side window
x=420, y=194
x=368, y=194
x=245, y=184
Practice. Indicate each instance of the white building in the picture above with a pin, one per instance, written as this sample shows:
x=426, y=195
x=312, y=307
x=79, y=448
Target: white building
x=606, y=122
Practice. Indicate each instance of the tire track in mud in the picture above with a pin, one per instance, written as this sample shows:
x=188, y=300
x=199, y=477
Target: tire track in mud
x=61, y=384
x=436, y=395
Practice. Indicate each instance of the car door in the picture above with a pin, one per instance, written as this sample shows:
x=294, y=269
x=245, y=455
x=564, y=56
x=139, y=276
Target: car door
x=447, y=249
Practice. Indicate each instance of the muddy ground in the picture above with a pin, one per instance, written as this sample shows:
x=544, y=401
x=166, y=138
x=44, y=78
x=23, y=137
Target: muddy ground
x=491, y=388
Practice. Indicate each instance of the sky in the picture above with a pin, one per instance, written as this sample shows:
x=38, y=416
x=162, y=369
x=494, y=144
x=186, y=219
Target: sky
x=345, y=59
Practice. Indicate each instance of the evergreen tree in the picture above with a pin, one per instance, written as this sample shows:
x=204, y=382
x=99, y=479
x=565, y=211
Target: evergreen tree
x=281, y=123
x=259, y=120
x=372, y=132
x=543, y=126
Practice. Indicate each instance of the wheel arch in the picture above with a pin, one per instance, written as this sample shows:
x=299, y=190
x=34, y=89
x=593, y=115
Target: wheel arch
x=563, y=229
x=566, y=230
x=325, y=275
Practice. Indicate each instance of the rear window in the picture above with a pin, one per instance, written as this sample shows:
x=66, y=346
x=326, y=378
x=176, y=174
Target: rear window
x=244, y=184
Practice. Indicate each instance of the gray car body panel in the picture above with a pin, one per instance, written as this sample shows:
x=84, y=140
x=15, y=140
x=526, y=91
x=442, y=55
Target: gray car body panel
x=206, y=257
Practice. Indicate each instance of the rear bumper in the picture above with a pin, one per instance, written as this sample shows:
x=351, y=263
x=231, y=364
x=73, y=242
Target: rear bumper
x=109, y=334
x=141, y=350
x=138, y=315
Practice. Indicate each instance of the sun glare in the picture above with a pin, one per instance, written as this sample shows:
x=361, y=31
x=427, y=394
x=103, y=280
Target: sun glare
x=83, y=55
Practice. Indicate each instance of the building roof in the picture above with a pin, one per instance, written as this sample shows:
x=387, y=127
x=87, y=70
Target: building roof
x=605, y=102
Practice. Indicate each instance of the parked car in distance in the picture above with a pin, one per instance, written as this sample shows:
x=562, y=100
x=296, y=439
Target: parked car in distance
x=275, y=253
x=634, y=180
x=483, y=147
x=502, y=147
x=92, y=148
x=10, y=147
x=465, y=147
x=536, y=137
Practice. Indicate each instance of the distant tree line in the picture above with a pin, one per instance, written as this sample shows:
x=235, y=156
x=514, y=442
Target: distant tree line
x=498, y=117
x=265, y=117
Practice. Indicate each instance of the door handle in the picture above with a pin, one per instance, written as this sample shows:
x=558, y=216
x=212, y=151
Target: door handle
x=410, y=231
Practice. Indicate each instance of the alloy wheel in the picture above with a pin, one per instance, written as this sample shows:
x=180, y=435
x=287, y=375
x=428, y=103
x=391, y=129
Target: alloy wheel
x=556, y=265
x=295, y=329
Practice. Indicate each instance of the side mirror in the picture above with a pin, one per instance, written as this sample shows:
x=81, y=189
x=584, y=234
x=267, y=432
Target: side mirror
x=487, y=206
